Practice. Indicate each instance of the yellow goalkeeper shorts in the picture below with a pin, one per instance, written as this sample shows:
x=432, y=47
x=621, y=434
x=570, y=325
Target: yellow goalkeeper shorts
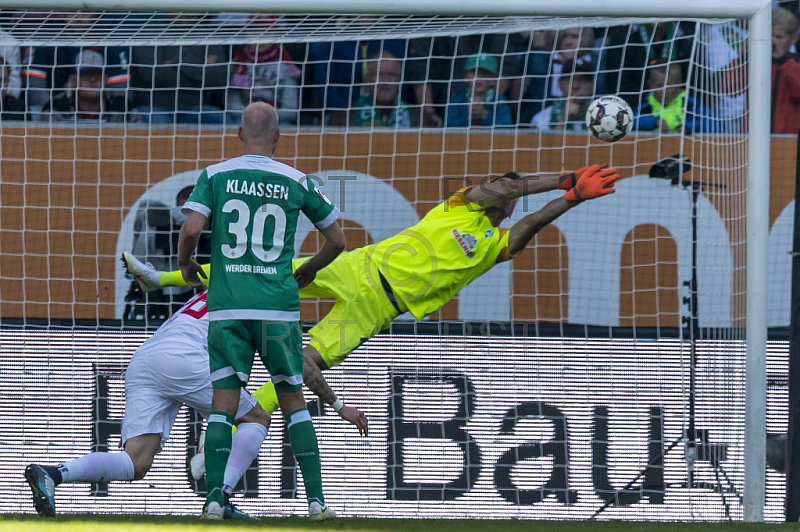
x=360, y=311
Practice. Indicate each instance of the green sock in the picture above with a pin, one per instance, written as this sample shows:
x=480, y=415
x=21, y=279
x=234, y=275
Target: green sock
x=218, y=447
x=306, y=451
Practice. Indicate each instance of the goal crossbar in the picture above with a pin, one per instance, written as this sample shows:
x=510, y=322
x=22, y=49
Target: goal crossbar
x=683, y=8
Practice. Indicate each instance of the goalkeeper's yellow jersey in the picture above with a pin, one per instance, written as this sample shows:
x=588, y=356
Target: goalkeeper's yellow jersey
x=427, y=264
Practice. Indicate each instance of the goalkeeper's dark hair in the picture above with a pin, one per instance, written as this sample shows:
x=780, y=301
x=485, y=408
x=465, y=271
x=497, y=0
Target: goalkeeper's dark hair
x=507, y=175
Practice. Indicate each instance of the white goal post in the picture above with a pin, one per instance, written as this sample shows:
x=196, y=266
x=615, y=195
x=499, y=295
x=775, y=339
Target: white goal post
x=757, y=12
x=684, y=8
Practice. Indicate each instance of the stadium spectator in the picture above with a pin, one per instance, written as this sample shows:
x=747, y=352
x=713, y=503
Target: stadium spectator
x=168, y=370
x=519, y=47
x=515, y=55
x=264, y=73
x=576, y=84
x=381, y=103
x=666, y=100
x=481, y=103
x=544, y=65
x=785, y=73
x=50, y=67
x=340, y=68
x=722, y=48
x=11, y=108
x=436, y=68
x=183, y=84
x=11, y=55
x=84, y=97
x=630, y=49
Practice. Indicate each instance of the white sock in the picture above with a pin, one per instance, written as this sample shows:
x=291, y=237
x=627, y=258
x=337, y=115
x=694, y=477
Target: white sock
x=98, y=467
x=246, y=444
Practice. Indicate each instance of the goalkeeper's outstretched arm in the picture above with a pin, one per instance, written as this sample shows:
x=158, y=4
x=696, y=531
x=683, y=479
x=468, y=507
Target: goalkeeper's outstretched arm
x=594, y=182
x=524, y=230
x=495, y=192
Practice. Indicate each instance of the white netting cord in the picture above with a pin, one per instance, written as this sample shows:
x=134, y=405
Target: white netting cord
x=556, y=286
x=86, y=28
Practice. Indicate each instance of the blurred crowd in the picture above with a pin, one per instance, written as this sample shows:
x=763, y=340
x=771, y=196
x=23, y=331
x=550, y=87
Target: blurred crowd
x=675, y=76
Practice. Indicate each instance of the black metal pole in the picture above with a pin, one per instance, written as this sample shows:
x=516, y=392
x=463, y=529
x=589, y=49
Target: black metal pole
x=696, y=444
x=693, y=329
x=692, y=322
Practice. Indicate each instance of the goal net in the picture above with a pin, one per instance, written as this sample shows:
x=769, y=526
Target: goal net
x=599, y=374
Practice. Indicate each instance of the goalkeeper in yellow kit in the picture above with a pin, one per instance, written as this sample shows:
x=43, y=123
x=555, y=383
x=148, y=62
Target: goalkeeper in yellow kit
x=418, y=270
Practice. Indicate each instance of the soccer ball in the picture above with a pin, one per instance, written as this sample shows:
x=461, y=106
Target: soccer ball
x=609, y=118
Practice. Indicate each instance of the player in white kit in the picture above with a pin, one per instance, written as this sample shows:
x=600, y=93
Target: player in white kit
x=168, y=370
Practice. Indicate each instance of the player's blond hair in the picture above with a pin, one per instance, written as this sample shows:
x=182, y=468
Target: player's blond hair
x=259, y=122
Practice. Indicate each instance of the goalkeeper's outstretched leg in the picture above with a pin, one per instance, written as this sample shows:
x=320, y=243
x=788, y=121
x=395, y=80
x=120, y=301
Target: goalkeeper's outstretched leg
x=148, y=278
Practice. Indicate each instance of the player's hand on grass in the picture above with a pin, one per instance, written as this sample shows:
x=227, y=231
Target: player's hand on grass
x=192, y=273
x=568, y=180
x=596, y=181
x=305, y=274
x=356, y=417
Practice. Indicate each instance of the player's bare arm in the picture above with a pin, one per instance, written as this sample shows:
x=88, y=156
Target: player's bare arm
x=187, y=243
x=333, y=246
x=593, y=183
x=315, y=381
x=524, y=230
x=495, y=192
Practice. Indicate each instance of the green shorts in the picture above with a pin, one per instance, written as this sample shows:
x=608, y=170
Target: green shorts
x=361, y=311
x=232, y=344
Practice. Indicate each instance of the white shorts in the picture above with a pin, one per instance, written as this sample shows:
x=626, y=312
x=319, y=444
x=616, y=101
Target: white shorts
x=160, y=379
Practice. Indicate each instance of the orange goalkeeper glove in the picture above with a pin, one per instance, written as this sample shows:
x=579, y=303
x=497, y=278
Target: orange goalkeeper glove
x=593, y=183
x=568, y=180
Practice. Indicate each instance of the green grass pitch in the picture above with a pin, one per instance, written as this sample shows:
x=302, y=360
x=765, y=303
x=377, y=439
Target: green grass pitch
x=150, y=523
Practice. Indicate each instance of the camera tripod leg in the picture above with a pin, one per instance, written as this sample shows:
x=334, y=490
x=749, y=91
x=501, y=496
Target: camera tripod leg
x=639, y=475
x=722, y=494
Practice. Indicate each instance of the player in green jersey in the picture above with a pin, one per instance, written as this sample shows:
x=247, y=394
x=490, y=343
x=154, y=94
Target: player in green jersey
x=253, y=203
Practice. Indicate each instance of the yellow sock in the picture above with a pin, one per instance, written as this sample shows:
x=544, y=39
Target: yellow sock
x=267, y=397
x=174, y=278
